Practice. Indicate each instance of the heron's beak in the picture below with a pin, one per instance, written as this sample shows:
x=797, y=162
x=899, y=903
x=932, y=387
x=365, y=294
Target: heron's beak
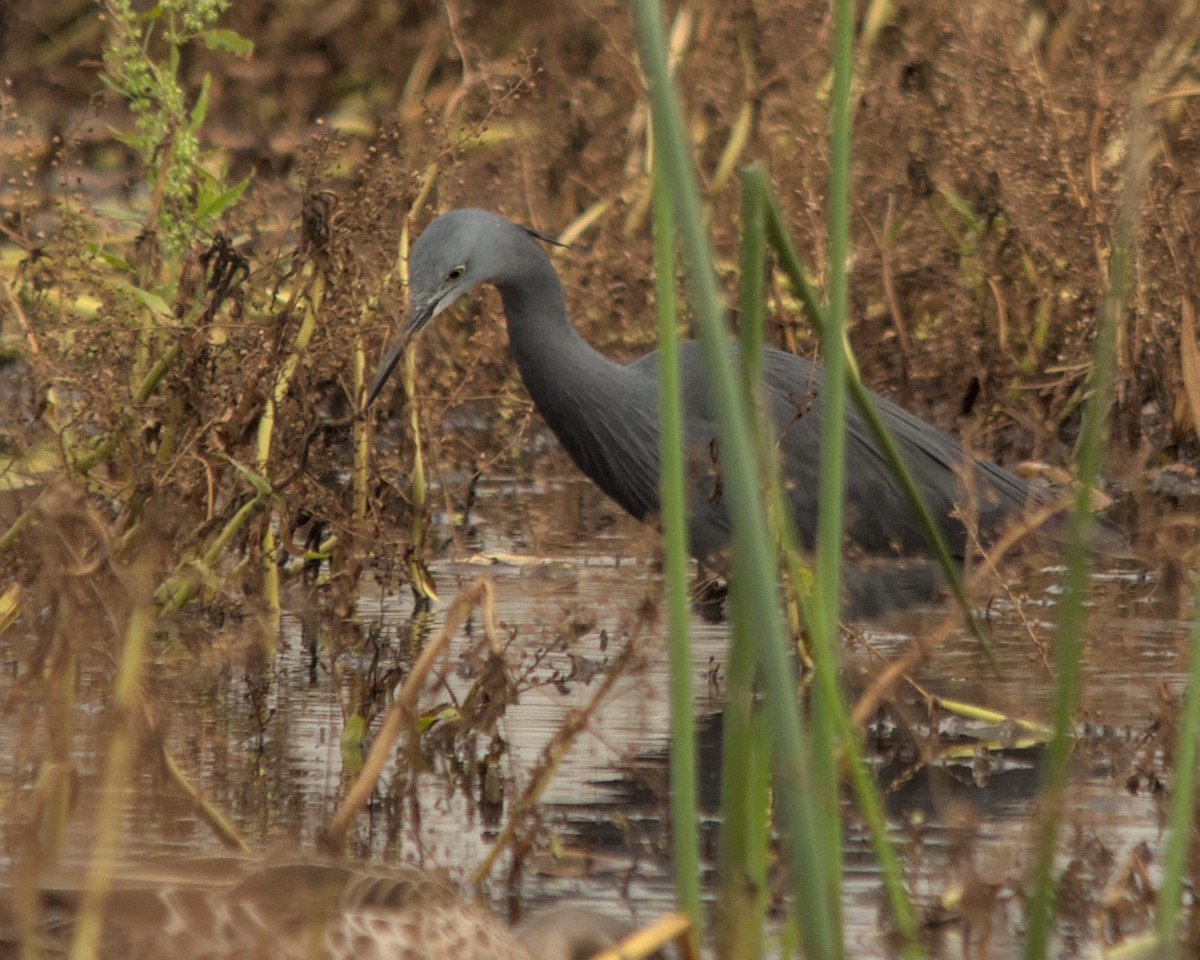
x=414, y=319
x=391, y=356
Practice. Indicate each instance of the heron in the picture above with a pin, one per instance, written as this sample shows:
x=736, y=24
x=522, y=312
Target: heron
x=605, y=414
x=227, y=907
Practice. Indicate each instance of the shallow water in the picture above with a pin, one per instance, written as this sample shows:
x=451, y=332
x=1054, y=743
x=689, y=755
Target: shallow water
x=574, y=580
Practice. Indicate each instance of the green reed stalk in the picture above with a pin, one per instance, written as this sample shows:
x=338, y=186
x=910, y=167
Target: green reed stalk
x=745, y=774
x=757, y=201
x=684, y=818
x=754, y=561
x=789, y=261
x=1072, y=610
x=1183, y=795
x=870, y=801
x=823, y=630
x=831, y=492
x=745, y=796
x=752, y=292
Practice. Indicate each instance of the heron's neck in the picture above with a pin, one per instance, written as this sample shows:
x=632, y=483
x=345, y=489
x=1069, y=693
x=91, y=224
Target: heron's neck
x=603, y=413
x=559, y=367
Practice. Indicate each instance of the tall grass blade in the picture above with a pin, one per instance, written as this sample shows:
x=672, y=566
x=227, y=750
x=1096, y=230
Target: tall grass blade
x=751, y=289
x=684, y=818
x=754, y=562
x=1072, y=610
x=823, y=628
x=1183, y=798
x=745, y=793
x=789, y=259
x=745, y=773
x=757, y=200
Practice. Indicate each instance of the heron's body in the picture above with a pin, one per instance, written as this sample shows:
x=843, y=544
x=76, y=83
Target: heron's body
x=606, y=413
x=614, y=441
x=240, y=909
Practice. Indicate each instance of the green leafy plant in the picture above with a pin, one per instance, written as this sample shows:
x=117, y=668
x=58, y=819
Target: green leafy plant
x=142, y=56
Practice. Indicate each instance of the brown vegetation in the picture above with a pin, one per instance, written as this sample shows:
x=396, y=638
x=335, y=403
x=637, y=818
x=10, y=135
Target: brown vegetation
x=989, y=143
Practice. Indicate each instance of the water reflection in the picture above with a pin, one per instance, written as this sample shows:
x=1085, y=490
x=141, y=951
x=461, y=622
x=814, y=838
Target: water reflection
x=575, y=582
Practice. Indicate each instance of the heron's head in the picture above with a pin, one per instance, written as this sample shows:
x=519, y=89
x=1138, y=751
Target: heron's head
x=456, y=253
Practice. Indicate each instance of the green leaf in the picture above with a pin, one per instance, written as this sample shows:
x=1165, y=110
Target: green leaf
x=963, y=209
x=230, y=40
x=134, y=140
x=200, y=110
x=151, y=301
x=121, y=215
x=110, y=259
x=113, y=85
x=210, y=208
x=261, y=485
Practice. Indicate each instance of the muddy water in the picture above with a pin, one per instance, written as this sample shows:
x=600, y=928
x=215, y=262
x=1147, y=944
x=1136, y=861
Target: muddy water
x=574, y=581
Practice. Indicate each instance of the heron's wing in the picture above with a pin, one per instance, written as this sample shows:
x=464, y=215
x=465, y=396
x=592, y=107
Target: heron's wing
x=879, y=520
x=878, y=517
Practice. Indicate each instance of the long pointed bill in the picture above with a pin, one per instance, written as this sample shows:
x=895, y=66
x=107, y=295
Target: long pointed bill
x=391, y=357
x=414, y=320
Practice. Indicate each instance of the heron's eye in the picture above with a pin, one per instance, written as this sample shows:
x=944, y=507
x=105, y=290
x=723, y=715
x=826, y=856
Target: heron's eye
x=455, y=274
